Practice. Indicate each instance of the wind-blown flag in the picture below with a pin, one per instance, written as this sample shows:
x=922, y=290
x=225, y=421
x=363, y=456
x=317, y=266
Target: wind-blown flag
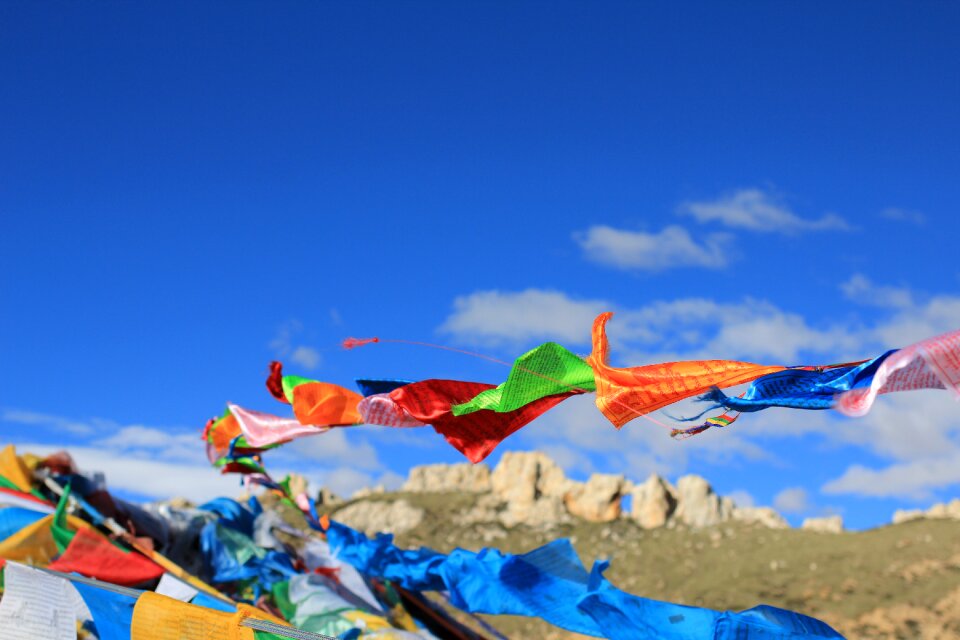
x=625, y=394
x=800, y=388
x=382, y=409
x=315, y=403
x=931, y=364
x=475, y=434
x=545, y=371
x=263, y=429
x=92, y=555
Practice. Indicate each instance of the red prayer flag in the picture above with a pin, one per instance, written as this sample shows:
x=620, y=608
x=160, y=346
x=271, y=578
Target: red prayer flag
x=92, y=555
x=475, y=434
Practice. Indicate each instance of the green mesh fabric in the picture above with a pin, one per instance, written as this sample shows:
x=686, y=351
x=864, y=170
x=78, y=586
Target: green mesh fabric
x=62, y=535
x=548, y=370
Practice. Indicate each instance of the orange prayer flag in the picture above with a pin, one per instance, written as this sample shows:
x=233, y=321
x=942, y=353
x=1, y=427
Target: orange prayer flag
x=158, y=617
x=325, y=404
x=624, y=394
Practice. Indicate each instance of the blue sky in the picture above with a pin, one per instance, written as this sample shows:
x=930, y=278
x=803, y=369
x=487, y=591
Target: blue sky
x=190, y=191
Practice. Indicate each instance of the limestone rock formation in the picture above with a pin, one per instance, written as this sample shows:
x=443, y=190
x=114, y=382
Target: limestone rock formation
x=371, y=516
x=598, y=499
x=327, y=498
x=940, y=511
x=533, y=486
x=828, y=524
x=654, y=502
x=545, y=512
x=366, y=492
x=523, y=476
x=698, y=505
x=765, y=516
x=436, y=478
x=906, y=515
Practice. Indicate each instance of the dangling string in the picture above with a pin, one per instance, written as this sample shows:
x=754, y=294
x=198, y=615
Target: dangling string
x=351, y=343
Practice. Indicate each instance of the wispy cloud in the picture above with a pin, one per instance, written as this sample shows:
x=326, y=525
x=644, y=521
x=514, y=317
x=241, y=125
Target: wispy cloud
x=916, y=479
x=52, y=422
x=159, y=462
x=904, y=215
x=499, y=317
x=862, y=290
x=286, y=344
x=641, y=251
x=691, y=327
x=793, y=500
x=757, y=210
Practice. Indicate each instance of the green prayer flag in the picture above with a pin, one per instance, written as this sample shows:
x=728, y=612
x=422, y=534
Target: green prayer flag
x=548, y=370
x=281, y=596
x=62, y=535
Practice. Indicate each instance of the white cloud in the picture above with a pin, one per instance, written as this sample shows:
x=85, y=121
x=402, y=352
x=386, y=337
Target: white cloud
x=33, y=418
x=904, y=215
x=156, y=479
x=687, y=327
x=496, y=317
x=163, y=462
x=742, y=498
x=333, y=446
x=756, y=210
x=577, y=431
x=638, y=250
x=285, y=344
x=915, y=479
x=936, y=315
x=862, y=290
x=306, y=357
x=792, y=500
x=919, y=431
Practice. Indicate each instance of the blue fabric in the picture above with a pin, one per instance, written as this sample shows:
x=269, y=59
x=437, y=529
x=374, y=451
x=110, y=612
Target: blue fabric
x=416, y=570
x=232, y=514
x=551, y=583
x=112, y=612
x=222, y=566
x=621, y=616
x=13, y=519
x=369, y=387
x=799, y=388
x=209, y=602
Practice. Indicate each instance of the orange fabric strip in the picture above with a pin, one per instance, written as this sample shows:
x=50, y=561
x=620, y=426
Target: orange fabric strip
x=157, y=617
x=625, y=394
x=325, y=404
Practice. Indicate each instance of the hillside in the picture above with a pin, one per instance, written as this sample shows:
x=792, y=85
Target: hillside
x=683, y=544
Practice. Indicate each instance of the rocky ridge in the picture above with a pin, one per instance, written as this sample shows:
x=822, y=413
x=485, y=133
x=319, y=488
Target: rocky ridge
x=530, y=489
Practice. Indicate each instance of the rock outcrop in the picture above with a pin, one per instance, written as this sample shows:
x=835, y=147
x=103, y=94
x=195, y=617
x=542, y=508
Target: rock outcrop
x=371, y=516
x=366, y=492
x=828, y=524
x=765, y=516
x=527, y=488
x=940, y=511
x=698, y=505
x=654, y=502
x=532, y=486
x=598, y=499
x=327, y=498
x=436, y=478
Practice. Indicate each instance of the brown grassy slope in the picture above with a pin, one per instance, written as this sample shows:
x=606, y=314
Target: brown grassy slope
x=898, y=581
